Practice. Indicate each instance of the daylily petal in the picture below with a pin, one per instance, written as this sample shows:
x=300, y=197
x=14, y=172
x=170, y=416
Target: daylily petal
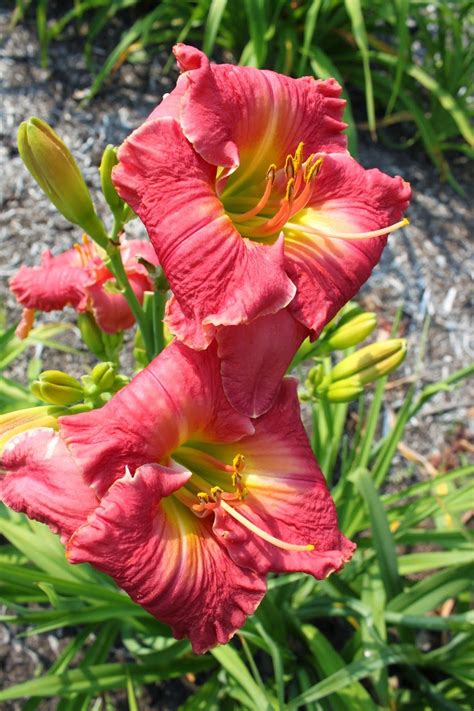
x=217, y=277
x=287, y=498
x=131, y=249
x=254, y=359
x=240, y=115
x=57, y=282
x=43, y=481
x=178, y=396
x=166, y=559
x=329, y=270
x=189, y=330
x=111, y=309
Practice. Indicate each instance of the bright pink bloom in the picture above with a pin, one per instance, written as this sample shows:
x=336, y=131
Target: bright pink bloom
x=79, y=278
x=184, y=502
x=243, y=181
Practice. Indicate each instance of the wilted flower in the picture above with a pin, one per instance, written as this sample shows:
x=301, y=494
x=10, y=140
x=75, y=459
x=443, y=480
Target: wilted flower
x=182, y=500
x=80, y=278
x=253, y=204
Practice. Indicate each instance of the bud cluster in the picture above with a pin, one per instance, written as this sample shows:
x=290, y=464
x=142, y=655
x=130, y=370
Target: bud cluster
x=58, y=388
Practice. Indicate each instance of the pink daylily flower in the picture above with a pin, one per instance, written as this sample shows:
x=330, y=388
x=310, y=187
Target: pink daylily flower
x=186, y=503
x=79, y=278
x=253, y=204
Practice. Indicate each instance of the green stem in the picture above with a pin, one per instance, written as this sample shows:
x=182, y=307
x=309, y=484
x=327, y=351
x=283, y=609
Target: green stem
x=159, y=300
x=116, y=265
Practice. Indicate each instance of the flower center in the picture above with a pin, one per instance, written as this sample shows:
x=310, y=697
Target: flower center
x=214, y=485
x=262, y=210
x=286, y=191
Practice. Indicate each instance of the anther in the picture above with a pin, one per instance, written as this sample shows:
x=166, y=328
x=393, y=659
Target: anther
x=314, y=169
x=238, y=463
x=290, y=167
x=216, y=492
x=298, y=155
x=290, y=188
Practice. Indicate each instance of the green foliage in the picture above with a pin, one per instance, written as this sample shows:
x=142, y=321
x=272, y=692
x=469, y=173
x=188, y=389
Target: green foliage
x=375, y=636
x=411, y=59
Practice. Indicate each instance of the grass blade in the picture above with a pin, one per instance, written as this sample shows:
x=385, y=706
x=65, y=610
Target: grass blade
x=381, y=535
x=354, y=10
x=213, y=21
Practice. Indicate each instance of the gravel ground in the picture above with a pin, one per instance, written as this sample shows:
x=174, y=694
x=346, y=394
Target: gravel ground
x=427, y=267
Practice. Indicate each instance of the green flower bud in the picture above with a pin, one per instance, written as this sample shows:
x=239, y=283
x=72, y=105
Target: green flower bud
x=114, y=201
x=103, y=376
x=372, y=362
x=351, y=333
x=344, y=390
x=91, y=334
x=315, y=377
x=52, y=166
x=57, y=388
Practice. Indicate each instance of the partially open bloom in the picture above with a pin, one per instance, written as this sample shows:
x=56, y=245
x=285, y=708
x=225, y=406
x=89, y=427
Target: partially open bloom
x=184, y=501
x=80, y=278
x=253, y=204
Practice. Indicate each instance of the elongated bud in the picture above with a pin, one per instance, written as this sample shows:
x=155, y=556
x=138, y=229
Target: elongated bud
x=344, y=390
x=372, y=362
x=57, y=388
x=14, y=423
x=351, y=333
x=91, y=334
x=53, y=167
x=114, y=201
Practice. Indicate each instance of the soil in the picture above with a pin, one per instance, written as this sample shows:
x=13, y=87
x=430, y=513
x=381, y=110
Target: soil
x=427, y=266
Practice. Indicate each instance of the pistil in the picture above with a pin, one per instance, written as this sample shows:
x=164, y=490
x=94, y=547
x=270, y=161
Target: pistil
x=261, y=533
x=334, y=234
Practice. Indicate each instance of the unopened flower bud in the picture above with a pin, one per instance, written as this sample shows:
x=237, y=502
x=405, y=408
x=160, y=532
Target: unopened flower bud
x=344, y=390
x=114, y=201
x=57, y=388
x=351, y=332
x=103, y=376
x=315, y=377
x=53, y=167
x=372, y=362
x=91, y=334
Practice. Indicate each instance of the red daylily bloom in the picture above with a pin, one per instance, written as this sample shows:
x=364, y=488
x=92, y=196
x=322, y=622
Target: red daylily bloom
x=183, y=501
x=243, y=181
x=79, y=278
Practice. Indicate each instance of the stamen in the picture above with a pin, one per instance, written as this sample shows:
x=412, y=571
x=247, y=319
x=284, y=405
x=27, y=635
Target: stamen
x=290, y=189
x=238, y=463
x=298, y=159
x=270, y=178
x=324, y=232
x=263, y=534
x=290, y=167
